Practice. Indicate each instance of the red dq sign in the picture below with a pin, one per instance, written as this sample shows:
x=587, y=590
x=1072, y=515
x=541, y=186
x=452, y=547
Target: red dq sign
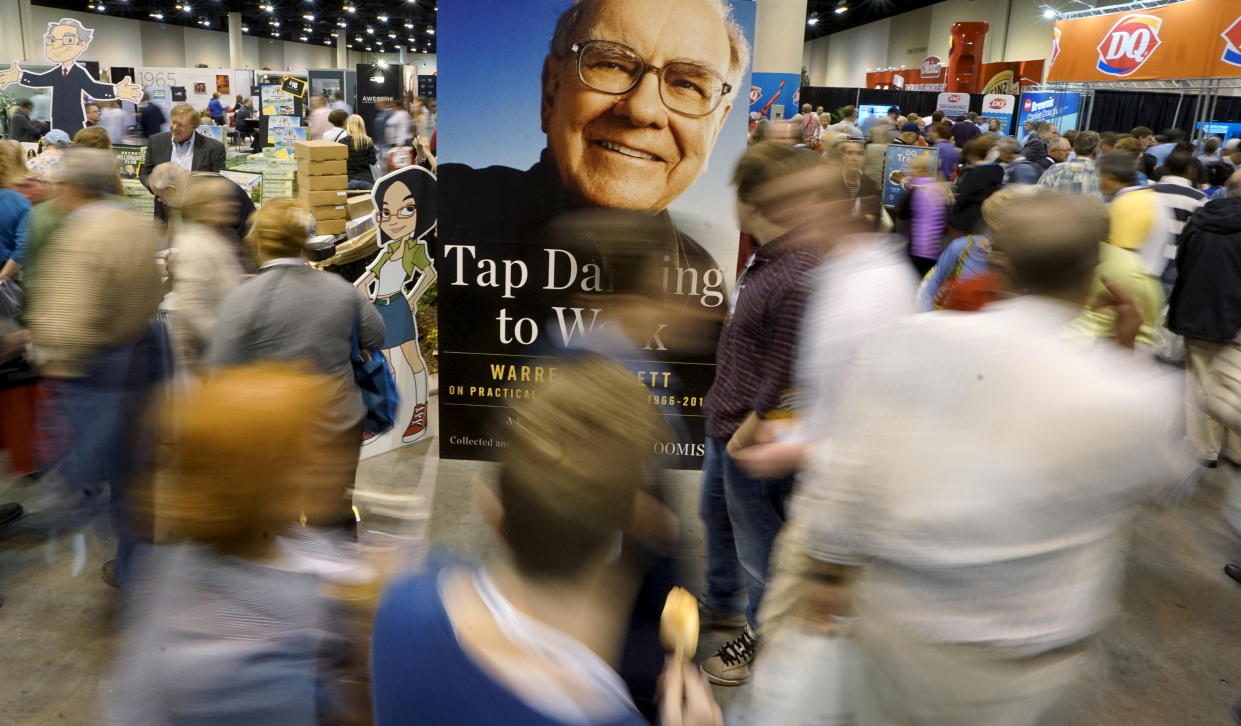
x=1129, y=44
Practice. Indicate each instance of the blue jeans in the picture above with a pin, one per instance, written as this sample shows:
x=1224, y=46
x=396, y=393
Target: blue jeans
x=361, y=184
x=749, y=515
x=100, y=413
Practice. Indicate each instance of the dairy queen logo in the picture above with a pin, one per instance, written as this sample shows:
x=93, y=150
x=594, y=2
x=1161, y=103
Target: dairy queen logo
x=998, y=104
x=1129, y=44
x=756, y=94
x=1232, y=36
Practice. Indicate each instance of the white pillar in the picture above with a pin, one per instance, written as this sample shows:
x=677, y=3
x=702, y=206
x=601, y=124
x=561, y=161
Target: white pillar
x=19, y=39
x=342, y=49
x=401, y=55
x=236, y=54
x=779, y=34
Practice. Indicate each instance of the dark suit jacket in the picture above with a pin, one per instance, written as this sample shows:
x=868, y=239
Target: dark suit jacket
x=23, y=129
x=974, y=185
x=208, y=155
x=68, y=113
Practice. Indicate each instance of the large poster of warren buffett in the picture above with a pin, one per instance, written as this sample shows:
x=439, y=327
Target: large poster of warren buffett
x=585, y=206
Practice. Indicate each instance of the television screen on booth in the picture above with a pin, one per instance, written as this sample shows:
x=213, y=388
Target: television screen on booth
x=865, y=112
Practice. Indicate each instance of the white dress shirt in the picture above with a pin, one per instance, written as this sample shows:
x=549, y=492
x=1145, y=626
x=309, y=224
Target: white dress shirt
x=984, y=465
x=183, y=152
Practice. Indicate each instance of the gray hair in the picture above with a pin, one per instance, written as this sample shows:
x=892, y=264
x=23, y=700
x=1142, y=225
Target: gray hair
x=91, y=170
x=1234, y=185
x=168, y=174
x=739, y=48
x=1007, y=144
x=84, y=34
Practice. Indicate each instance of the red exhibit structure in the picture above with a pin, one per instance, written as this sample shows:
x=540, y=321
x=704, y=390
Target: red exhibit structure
x=965, y=56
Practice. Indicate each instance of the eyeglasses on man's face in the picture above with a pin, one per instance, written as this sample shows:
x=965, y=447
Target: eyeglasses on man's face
x=686, y=88
x=67, y=39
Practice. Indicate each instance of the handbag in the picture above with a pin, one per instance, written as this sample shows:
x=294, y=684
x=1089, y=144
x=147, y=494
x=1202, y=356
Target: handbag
x=376, y=384
x=945, y=288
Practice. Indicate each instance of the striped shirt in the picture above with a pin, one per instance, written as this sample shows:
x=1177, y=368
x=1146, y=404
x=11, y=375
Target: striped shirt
x=758, y=345
x=1182, y=199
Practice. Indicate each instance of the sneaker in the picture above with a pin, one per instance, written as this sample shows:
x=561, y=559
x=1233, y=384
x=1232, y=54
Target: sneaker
x=730, y=666
x=417, y=424
x=711, y=619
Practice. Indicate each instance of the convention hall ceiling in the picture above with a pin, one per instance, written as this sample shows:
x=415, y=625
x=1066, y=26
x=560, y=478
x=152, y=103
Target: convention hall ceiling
x=369, y=25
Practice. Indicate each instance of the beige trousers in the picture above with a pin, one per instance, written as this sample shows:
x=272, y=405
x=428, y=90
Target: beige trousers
x=1205, y=435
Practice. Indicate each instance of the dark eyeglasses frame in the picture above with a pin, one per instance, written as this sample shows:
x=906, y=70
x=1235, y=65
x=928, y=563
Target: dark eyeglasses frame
x=579, y=47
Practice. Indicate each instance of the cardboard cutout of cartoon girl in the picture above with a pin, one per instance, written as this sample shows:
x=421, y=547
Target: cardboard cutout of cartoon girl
x=399, y=275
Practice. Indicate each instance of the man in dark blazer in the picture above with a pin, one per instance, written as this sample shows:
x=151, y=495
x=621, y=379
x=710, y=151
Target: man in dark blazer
x=183, y=145
x=63, y=43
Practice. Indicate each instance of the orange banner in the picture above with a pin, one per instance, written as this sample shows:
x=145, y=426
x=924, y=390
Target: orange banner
x=1191, y=39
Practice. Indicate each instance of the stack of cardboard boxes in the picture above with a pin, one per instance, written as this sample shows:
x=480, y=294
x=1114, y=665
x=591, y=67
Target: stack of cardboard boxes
x=322, y=181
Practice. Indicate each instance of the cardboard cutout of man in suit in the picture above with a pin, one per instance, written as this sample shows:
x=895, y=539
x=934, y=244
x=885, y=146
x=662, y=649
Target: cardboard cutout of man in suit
x=64, y=42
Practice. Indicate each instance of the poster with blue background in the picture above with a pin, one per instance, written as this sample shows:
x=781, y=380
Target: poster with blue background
x=599, y=117
x=896, y=163
x=1057, y=108
x=775, y=95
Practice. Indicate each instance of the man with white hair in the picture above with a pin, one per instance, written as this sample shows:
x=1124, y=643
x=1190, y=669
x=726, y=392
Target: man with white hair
x=634, y=96
x=168, y=182
x=92, y=335
x=63, y=43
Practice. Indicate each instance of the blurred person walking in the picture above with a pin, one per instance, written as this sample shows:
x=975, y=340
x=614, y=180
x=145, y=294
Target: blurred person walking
x=115, y=121
x=777, y=187
x=293, y=312
x=530, y=637
x=979, y=584
x=317, y=120
x=204, y=266
x=21, y=127
x=151, y=117
x=94, y=340
x=230, y=620
x=1204, y=309
x=925, y=204
x=14, y=208
x=977, y=180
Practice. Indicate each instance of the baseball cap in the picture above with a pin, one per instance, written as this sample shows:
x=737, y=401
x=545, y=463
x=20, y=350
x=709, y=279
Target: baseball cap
x=912, y=127
x=57, y=138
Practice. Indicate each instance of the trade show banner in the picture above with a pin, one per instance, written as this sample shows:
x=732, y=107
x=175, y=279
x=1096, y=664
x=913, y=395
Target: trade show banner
x=376, y=83
x=775, y=95
x=1000, y=106
x=1058, y=109
x=1191, y=39
x=896, y=162
x=527, y=249
x=1223, y=129
x=953, y=104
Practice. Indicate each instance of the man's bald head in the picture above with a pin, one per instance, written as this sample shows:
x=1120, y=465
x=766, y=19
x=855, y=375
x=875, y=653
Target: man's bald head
x=1053, y=260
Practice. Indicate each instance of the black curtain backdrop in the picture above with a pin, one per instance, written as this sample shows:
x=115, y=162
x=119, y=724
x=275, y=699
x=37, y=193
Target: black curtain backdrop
x=1113, y=110
x=1123, y=110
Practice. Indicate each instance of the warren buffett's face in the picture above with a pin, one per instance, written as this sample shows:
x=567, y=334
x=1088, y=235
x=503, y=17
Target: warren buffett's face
x=631, y=151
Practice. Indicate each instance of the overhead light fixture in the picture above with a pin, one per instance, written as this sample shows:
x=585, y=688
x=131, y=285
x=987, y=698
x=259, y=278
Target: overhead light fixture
x=842, y=8
x=308, y=17
x=383, y=18
x=245, y=29
x=409, y=26
x=812, y=21
x=430, y=31
x=1048, y=13
x=157, y=16
x=391, y=35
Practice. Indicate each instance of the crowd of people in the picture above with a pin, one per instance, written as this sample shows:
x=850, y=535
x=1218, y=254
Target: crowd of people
x=894, y=500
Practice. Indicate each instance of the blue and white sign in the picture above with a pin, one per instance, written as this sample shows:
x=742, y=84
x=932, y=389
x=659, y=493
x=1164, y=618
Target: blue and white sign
x=1000, y=106
x=953, y=103
x=1058, y=109
x=896, y=164
x=776, y=93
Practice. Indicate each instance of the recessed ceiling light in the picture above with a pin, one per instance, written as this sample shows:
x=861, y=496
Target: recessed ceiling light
x=370, y=31
x=383, y=18
x=308, y=17
x=430, y=31
x=1049, y=13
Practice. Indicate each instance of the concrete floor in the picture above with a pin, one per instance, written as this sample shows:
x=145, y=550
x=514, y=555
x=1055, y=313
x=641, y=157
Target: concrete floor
x=1170, y=660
